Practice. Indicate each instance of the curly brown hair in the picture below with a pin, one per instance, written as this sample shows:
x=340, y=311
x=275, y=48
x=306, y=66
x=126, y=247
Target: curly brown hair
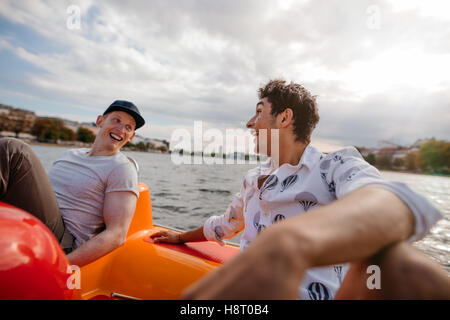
x=299, y=100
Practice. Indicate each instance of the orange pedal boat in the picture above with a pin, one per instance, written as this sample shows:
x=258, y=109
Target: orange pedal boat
x=139, y=269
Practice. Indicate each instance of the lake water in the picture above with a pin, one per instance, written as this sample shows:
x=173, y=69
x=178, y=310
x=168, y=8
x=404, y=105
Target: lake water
x=183, y=196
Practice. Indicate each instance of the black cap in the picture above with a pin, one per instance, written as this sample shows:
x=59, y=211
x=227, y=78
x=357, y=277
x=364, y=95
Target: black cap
x=128, y=107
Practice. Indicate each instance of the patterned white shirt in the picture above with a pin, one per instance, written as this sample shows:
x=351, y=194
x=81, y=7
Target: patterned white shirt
x=317, y=180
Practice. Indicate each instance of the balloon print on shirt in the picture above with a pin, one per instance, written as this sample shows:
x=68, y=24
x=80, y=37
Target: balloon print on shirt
x=349, y=174
x=324, y=167
x=261, y=227
x=256, y=219
x=306, y=199
x=332, y=187
x=219, y=233
x=338, y=157
x=289, y=181
x=269, y=184
x=278, y=217
x=318, y=291
x=338, y=270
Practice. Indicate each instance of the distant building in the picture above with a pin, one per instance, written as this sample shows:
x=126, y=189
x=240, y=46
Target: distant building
x=386, y=151
x=137, y=138
x=415, y=147
x=26, y=136
x=400, y=153
x=6, y=134
x=88, y=126
x=154, y=144
x=72, y=125
x=16, y=120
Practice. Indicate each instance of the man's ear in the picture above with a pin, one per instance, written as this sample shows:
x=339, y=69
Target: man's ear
x=99, y=121
x=286, y=118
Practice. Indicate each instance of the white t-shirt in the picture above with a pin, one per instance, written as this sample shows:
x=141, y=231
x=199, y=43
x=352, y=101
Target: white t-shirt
x=288, y=191
x=81, y=182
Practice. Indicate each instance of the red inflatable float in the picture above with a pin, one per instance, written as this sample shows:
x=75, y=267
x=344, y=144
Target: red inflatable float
x=32, y=264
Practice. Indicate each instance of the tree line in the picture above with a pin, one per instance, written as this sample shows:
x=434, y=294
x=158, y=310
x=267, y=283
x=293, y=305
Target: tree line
x=433, y=157
x=54, y=129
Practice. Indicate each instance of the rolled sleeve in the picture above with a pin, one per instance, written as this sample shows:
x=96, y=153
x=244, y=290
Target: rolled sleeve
x=123, y=178
x=425, y=214
x=349, y=171
x=228, y=225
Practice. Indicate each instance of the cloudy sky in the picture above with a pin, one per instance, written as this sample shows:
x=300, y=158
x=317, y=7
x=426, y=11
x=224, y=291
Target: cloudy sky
x=380, y=69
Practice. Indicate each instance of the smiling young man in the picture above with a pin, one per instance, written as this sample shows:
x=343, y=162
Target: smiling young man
x=88, y=199
x=306, y=215
x=96, y=188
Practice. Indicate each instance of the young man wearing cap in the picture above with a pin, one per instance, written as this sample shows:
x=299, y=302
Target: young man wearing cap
x=93, y=190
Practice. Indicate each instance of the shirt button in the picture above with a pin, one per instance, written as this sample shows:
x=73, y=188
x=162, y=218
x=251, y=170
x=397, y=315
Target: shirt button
x=265, y=213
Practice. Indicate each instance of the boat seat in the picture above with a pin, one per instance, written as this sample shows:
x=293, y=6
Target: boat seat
x=208, y=250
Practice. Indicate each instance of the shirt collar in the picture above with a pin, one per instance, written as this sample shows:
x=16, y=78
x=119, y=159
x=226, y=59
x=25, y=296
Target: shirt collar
x=309, y=159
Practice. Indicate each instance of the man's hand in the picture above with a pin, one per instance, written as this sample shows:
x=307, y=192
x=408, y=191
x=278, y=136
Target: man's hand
x=118, y=211
x=166, y=236
x=193, y=235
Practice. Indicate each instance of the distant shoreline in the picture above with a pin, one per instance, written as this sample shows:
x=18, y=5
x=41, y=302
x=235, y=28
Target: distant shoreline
x=73, y=146
x=49, y=144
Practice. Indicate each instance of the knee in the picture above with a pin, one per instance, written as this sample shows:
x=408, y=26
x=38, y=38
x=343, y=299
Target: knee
x=400, y=258
x=13, y=145
x=15, y=152
x=404, y=272
x=409, y=273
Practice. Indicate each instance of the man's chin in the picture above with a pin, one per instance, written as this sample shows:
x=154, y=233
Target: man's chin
x=261, y=152
x=114, y=145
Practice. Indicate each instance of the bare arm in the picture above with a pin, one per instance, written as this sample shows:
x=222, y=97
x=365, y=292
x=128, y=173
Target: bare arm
x=354, y=227
x=118, y=211
x=193, y=235
x=229, y=224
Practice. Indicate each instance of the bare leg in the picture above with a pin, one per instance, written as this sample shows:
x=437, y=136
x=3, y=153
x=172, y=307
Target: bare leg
x=406, y=273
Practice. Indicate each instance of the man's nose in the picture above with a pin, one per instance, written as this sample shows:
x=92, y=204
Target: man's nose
x=251, y=123
x=123, y=128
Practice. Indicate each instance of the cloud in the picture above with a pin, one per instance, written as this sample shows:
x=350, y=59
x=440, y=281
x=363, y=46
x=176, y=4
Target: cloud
x=204, y=60
x=401, y=117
